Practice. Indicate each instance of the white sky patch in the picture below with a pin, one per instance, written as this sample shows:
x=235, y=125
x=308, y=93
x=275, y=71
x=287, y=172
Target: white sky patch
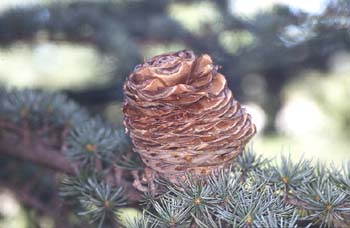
x=258, y=115
x=251, y=7
x=310, y=6
x=6, y=4
x=301, y=117
x=9, y=206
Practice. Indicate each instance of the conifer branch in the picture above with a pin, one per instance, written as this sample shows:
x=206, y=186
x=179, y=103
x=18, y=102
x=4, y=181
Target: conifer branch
x=38, y=154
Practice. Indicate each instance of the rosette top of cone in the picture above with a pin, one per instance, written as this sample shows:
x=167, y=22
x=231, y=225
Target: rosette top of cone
x=182, y=117
x=171, y=69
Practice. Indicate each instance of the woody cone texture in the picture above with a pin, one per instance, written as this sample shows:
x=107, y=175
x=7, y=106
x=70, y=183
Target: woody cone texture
x=182, y=117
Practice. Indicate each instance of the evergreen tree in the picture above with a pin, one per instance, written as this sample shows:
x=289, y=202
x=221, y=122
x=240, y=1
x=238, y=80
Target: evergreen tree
x=78, y=169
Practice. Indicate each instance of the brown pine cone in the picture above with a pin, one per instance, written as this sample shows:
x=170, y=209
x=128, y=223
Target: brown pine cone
x=182, y=117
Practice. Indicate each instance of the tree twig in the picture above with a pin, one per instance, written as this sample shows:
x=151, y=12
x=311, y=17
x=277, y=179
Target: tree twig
x=53, y=159
x=43, y=156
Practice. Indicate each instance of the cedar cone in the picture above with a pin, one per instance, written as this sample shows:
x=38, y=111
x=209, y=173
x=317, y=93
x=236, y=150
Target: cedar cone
x=182, y=117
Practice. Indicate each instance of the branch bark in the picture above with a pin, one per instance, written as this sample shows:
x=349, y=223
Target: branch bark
x=42, y=156
x=53, y=159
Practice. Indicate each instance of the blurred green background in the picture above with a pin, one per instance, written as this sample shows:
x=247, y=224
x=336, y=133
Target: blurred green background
x=287, y=61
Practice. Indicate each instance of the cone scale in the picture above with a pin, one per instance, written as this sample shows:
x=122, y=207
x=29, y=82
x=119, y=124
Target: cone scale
x=182, y=117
